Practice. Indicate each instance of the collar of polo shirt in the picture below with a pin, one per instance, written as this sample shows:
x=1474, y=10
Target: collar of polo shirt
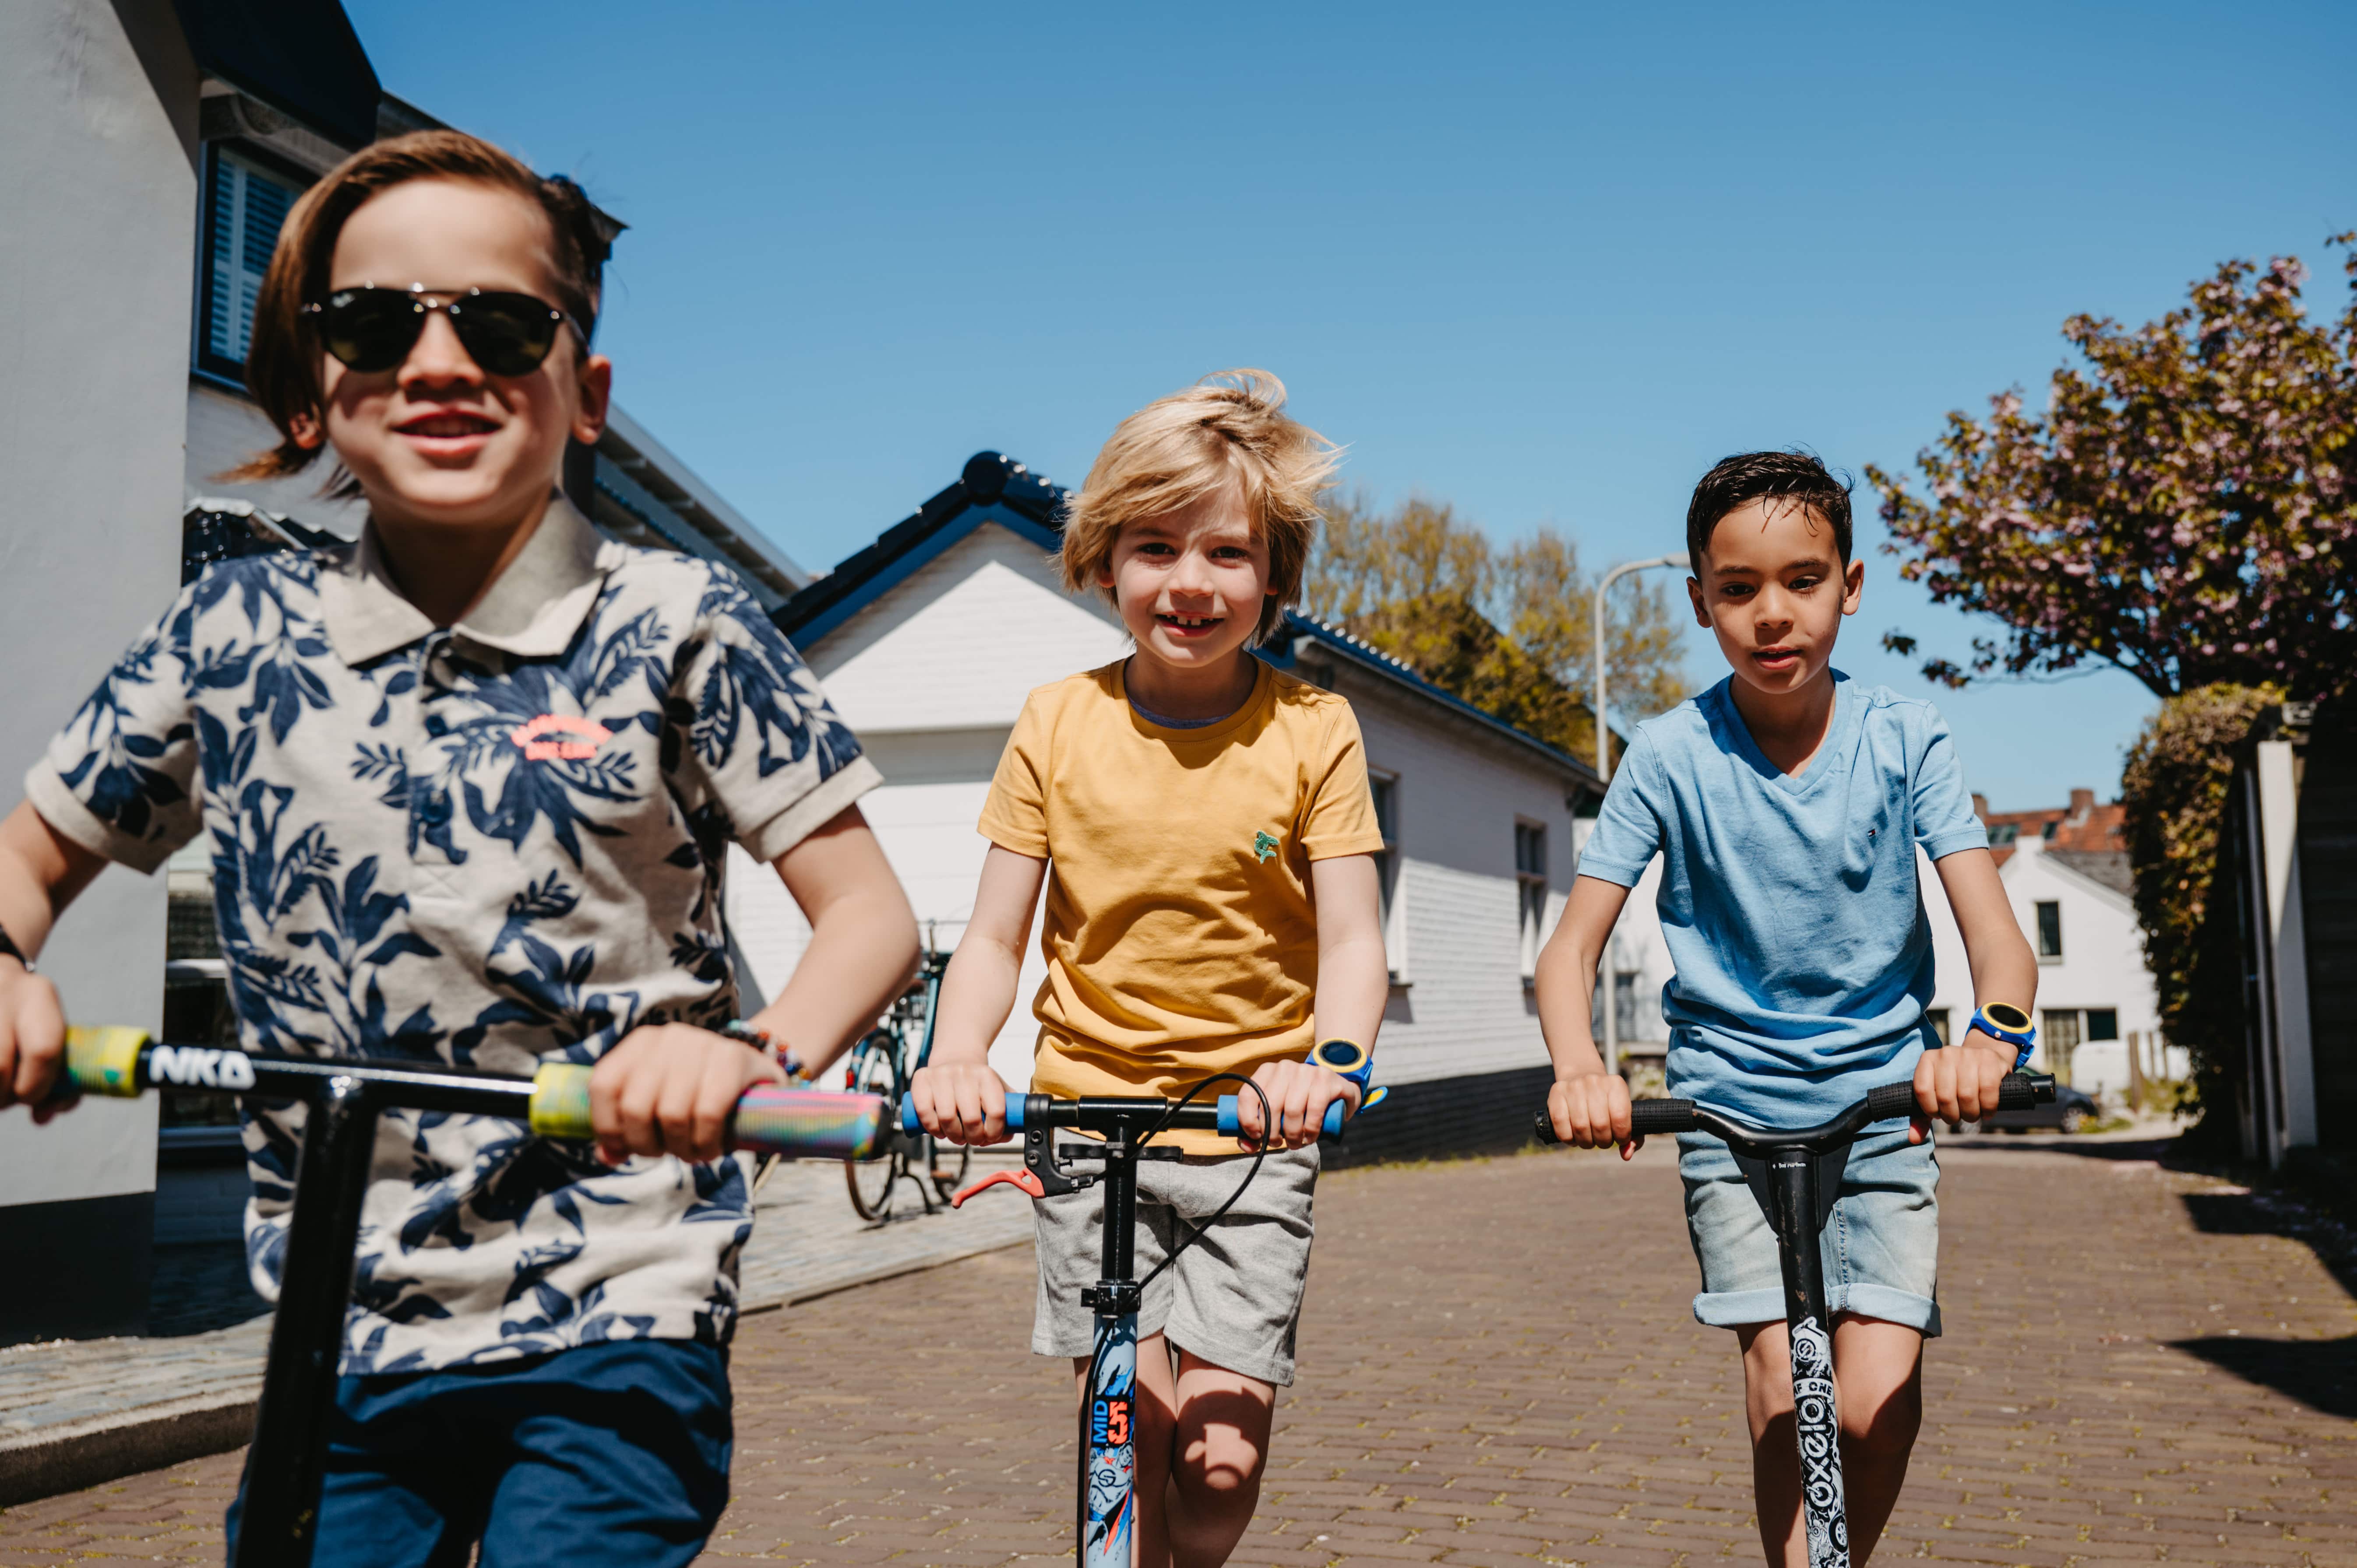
x=531, y=610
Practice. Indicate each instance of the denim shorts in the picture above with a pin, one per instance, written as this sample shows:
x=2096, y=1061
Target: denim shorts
x=1881, y=1248
x=602, y=1456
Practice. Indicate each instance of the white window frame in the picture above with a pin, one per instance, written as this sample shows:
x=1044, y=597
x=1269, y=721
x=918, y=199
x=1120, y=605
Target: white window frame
x=1531, y=890
x=1383, y=786
x=2038, y=930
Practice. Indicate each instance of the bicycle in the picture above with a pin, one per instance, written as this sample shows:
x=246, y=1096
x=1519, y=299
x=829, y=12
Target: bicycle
x=1796, y=1174
x=884, y=1062
x=286, y=1465
x=1105, y=1508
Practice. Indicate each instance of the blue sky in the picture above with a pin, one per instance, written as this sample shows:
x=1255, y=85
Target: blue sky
x=1546, y=263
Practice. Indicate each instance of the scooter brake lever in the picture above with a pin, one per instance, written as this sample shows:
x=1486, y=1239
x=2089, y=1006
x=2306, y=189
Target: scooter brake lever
x=1023, y=1179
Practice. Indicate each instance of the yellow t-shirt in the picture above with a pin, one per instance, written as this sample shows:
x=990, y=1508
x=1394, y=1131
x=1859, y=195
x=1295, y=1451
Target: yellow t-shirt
x=1180, y=936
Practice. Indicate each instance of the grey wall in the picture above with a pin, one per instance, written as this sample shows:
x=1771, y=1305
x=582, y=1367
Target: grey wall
x=98, y=144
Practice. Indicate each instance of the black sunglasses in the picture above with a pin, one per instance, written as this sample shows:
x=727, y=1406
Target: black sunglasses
x=374, y=328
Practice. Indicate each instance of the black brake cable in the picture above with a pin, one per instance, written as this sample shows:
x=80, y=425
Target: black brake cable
x=1194, y=1234
x=1260, y=1152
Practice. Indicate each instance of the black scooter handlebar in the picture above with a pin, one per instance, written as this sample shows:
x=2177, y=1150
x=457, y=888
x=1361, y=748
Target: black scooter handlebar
x=2018, y=1091
x=1646, y=1116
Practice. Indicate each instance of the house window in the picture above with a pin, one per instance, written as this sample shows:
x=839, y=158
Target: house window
x=2103, y=1023
x=1385, y=789
x=1938, y=1018
x=1531, y=883
x=245, y=205
x=2058, y=1033
x=2050, y=928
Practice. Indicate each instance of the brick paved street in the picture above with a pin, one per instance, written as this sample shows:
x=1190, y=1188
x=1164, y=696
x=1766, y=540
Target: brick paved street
x=1499, y=1367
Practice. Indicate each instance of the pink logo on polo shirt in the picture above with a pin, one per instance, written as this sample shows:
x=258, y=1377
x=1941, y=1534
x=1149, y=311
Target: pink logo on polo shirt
x=556, y=737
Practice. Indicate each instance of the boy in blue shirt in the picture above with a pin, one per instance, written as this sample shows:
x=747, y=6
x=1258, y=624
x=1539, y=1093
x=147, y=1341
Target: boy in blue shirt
x=1788, y=803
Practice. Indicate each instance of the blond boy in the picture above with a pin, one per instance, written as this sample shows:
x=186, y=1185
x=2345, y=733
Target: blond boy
x=1202, y=826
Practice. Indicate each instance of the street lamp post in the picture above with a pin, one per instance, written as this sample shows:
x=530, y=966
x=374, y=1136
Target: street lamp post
x=1604, y=770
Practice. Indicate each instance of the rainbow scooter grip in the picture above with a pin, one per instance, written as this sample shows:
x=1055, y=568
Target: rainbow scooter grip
x=800, y=1124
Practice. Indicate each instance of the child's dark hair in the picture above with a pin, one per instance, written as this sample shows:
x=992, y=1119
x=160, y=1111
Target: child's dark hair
x=282, y=365
x=1795, y=476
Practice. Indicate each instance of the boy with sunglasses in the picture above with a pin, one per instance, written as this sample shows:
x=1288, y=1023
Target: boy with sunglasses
x=469, y=786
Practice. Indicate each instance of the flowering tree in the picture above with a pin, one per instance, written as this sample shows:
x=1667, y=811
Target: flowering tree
x=2186, y=508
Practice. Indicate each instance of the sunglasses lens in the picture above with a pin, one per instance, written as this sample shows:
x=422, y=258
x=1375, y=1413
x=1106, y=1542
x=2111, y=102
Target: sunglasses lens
x=369, y=328
x=507, y=334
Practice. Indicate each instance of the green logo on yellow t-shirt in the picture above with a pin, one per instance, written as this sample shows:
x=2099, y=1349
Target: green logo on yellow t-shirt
x=1264, y=846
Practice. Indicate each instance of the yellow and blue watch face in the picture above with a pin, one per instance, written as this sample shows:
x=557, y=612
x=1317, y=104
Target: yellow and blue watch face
x=2006, y=1017
x=1345, y=1057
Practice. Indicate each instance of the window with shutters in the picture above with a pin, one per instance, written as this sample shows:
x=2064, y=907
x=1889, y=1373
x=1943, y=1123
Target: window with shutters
x=245, y=206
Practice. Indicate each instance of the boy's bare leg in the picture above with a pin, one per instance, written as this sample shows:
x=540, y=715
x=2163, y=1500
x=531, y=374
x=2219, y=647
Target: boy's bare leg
x=1878, y=1381
x=1202, y=1441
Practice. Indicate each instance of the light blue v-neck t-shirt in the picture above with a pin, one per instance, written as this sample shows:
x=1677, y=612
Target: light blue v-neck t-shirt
x=1789, y=905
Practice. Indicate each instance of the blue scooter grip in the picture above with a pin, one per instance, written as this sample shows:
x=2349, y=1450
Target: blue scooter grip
x=1231, y=1125
x=909, y=1122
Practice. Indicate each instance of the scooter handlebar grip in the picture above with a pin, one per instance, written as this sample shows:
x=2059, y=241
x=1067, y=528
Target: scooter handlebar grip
x=909, y=1122
x=2024, y=1090
x=1887, y=1099
x=100, y=1059
x=1649, y=1116
x=1232, y=1123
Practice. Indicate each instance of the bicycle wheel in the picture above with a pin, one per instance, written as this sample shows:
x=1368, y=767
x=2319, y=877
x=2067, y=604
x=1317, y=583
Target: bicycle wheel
x=875, y=1069
x=946, y=1166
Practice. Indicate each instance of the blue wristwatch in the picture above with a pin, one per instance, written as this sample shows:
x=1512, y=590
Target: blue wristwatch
x=2002, y=1021
x=1347, y=1059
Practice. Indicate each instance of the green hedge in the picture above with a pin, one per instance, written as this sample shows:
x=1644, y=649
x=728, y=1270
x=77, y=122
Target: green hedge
x=2175, y=789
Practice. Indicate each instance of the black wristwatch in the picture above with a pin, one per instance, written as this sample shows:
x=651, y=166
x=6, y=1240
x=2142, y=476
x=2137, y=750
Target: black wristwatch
x=8, y=949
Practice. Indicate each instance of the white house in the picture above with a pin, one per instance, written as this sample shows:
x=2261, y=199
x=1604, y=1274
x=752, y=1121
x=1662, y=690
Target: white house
x=149, y=154
x=928, y=640
x=2066, y=869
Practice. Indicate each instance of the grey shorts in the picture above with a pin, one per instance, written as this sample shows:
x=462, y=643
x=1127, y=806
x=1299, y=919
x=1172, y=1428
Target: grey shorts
x=1234, y=1298
x=1880, y=1248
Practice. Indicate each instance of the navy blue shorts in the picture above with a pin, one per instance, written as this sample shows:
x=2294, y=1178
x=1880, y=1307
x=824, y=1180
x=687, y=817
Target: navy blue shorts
x=609, y=1454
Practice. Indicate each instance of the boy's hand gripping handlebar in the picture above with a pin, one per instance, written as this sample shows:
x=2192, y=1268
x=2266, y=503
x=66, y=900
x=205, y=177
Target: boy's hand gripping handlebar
x=2015, y=1091
x=1035, y=1115
x=798, y=1124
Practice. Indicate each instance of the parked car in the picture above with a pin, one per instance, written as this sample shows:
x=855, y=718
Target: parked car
x=2072, y=1110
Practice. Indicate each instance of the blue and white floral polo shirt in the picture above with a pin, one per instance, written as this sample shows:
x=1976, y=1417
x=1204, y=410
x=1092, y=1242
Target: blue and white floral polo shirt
x=483, y=844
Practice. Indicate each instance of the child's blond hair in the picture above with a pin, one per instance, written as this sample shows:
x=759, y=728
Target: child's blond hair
x=1227, y=428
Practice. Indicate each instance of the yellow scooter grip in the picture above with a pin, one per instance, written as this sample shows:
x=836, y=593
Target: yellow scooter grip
x=104, y=1058
x=560, y=1101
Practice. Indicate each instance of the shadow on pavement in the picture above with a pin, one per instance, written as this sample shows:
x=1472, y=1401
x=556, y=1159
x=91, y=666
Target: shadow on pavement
x=199, y=1286
x=2319, y=1373
x=2149, y=1151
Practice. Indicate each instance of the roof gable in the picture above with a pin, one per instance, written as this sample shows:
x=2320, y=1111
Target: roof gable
x=963, y=640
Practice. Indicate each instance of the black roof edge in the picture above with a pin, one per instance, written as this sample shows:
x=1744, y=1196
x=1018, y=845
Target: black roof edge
x=302, y=60
x=988, y=479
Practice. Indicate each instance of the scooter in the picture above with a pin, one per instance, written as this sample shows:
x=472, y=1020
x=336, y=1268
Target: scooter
x=1105, y=1508
x=1796, y=1176
x=287, y=1464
